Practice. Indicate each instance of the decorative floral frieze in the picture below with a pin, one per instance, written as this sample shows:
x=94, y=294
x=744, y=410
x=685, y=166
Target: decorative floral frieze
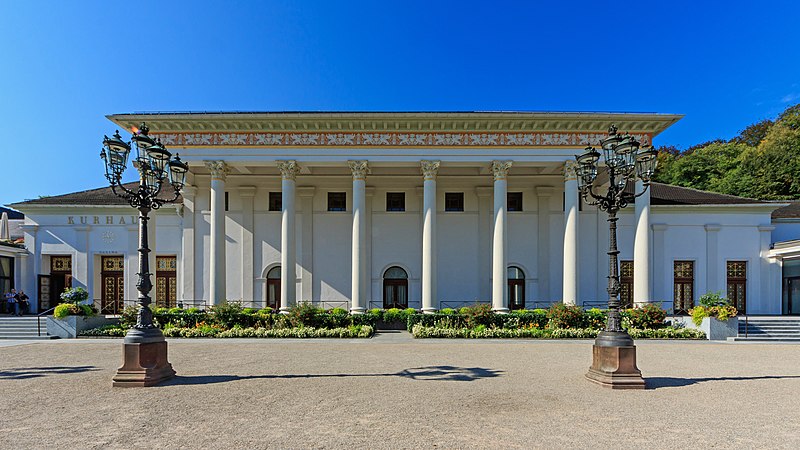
x=366, y=139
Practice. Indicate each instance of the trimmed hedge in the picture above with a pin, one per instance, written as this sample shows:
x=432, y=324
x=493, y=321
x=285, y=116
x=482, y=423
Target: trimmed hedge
x=482, y=332
x=558, y=316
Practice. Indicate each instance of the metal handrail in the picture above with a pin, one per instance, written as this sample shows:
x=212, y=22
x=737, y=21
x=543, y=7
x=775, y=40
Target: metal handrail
x=39, y=320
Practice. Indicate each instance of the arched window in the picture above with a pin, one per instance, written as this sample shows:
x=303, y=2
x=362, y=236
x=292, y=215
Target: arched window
x=395, y=288
x=273, y=292
x=516, y=288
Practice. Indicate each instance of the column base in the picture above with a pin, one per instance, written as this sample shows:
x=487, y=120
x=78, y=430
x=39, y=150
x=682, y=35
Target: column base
x=429, y=310
x=501, y=310
x=358, y=310
x=144, y=364
x=615, y=367
x=283, y=310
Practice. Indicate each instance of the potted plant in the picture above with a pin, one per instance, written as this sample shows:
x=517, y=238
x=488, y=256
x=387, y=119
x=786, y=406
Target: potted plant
x=73, y=315
x=715, y=316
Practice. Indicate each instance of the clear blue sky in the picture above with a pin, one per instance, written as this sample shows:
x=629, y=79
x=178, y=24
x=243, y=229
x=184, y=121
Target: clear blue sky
x=65, y=65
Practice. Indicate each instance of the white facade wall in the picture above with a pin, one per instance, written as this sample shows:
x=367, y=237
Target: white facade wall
x=394, y=238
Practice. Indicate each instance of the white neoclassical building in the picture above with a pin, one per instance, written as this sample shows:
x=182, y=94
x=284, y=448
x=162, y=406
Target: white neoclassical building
x=426, y=210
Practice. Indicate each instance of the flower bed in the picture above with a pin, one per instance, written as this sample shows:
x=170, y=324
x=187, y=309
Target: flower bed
x=558, y=322
x=231, y=320
x=420, y=331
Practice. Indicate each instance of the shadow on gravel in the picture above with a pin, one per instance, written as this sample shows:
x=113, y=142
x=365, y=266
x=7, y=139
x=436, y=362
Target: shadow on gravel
x=429, y=373
x=36, y=372
x=663, y=382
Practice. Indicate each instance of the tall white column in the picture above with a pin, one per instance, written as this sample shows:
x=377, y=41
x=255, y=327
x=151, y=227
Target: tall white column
x=219, y=172
x=571, y=217
x=306, y=194
x=499, y=244
x=543, y=193
x=661, y=288
x=187, y=244
x=642, y=279
x=359, y=245
x=289, y=170
x=247, y=195
x=484, y=243
x=430, y=302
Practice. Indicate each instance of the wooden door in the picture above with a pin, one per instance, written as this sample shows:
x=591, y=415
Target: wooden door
x=113, y=284
x=166, y=281
x=44, y=293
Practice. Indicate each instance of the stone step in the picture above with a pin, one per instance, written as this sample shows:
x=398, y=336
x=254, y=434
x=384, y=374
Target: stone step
x=764, y=339
x=27, y=337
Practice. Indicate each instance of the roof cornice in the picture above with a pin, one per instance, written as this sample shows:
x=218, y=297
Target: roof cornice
x=274, y=124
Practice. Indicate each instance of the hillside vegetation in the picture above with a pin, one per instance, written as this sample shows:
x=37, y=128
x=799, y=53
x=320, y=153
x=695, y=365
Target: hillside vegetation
x=762, y=161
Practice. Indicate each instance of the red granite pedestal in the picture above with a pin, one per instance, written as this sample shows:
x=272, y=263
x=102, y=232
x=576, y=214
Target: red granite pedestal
x=144, y=364
x=615, y=368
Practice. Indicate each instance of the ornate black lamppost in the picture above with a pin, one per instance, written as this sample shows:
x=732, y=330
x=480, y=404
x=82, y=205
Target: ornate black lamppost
x=145, y=349
x=614, y=354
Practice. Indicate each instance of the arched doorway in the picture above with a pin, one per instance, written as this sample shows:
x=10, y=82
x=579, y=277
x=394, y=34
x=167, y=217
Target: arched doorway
x=516, y=288
x=395, y=288
x=273, y=291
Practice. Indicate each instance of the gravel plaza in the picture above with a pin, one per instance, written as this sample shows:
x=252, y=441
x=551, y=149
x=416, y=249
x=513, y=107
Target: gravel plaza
x=395, y=392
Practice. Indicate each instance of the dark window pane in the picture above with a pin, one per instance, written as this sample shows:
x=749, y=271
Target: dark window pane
x=275, y=201
x=454, y=201
x=337, y=201
x=514, y=200
x=395, y=201
x=226, y=201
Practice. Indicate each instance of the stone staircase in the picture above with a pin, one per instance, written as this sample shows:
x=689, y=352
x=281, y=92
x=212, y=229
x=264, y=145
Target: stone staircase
x=769, y=329
x=22, y=328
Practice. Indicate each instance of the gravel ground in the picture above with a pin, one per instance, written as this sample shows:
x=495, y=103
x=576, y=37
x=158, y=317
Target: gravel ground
x=393, y=392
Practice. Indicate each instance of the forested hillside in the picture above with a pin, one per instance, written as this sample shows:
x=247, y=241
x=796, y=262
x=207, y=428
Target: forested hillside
x=762, y=161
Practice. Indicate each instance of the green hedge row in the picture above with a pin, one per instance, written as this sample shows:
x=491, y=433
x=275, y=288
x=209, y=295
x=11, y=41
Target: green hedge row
x=558, y=316
x=483, y=332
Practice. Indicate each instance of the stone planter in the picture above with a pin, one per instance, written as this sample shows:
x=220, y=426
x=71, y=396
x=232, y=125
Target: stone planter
x=715, y=329
x=71, y=326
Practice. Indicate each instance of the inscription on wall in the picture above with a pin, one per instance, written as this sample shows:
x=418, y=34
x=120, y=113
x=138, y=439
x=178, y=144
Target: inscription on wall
x=102, y=220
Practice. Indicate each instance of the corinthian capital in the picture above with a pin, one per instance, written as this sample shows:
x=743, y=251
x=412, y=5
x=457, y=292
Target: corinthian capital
x=500, y=169
x=360, y=169
x=289, y=169
x=570, y=168
x=219, y=170
x=429, y=169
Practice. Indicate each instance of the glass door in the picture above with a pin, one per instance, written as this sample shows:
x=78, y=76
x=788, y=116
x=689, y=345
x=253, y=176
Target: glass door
x=793, y=294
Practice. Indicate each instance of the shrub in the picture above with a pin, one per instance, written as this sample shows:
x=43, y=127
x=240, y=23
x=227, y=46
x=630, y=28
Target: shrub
x=396, y=315
x=711, y=299
x=564, y=316
x=74, y=295
x=647, y=317
x=64, y=310
x=480, y=314
x=722, y=312
x=127, y=317
x=226, y=314
x=595, y=319
x=447, y=311
x=304, y=315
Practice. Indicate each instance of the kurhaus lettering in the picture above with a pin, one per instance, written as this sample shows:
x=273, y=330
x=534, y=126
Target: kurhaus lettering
x=97, y=220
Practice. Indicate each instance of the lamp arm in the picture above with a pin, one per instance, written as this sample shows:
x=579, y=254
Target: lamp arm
x=646, y=186
x=127, y=192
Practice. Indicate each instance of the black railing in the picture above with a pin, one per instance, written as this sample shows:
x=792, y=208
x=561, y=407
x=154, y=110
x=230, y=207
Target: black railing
x=39, y=320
